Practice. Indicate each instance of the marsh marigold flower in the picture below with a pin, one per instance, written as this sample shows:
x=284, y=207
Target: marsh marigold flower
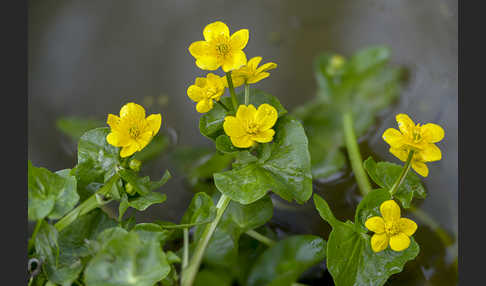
x=417, y=138
x=205, y=90
x=132, y=131
x=251, y=73
x=219, y=49
x=390, y=229
x=251, y=125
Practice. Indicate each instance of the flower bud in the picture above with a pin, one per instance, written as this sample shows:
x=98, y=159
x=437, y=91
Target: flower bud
x=135, y=165
x=130, y=189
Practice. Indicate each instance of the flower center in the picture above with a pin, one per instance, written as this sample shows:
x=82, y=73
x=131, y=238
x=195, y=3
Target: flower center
x=391, y=228
x=134, y=132
x=210, y=91
x=252, y=128
x=222, y=46
x=416, y=134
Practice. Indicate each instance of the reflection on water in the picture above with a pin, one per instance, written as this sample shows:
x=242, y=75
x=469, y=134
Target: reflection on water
x=88, y=58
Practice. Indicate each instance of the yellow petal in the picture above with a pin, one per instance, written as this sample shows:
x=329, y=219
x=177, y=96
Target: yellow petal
x=234, y=61
x=399, y=242
x=390, y=211
x=213, y=30
x=208, y=63
x=375, y=224
x=133, y=110
x=239, y=39
x=266, y=116
x=204, y=105
x=393, y=137
x=200, y=81
x=267, y=67
x=237, y=81
x=264, y=136
x=117, y=139
x=246, y=112
x=242, y=142
x=233, y=127
x=400, y=153
x=199, y=49
x=258, y=77
x=253, y=63
x=195, y=93
x=144, y=139
x=153, y=123
x=431, y=153
x=113, y=121
x=420, y=168
x=407, y=226
x=405, y=124
x=128, y=150
x=379, y=242
x=432, y=133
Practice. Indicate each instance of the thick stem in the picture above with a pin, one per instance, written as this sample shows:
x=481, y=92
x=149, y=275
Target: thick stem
x=234, y=100
x=247, y=94
x=260, y=237
x=354, y=155
x=34, y=234
x=88, y=205
x=185, y=254
x=189, y=274
x=403, y=175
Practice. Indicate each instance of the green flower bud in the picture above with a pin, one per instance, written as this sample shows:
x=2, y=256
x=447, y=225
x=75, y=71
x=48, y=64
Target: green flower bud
x=129, y=189
x=135, y=165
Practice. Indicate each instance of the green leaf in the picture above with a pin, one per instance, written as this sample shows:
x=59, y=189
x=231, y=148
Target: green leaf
x=68, y=198
x=384, y=174
x=370, y=206
x=97, y=160
x=284, y=262
x=224, y=145
x=75, y=127
x=211, y=123
x=158, y=145
x=213, y=277
x=127, y=260
x=284, y=168
x=351, y=261
x=143, y=186
x=44, y=188
x=324, y=210
x=148, y=231
x=140, y=203
x=222, y=250
x=364, y=85
x=200, y=211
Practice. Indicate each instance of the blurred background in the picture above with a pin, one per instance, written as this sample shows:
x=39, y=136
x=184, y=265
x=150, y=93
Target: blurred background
x=88, y=58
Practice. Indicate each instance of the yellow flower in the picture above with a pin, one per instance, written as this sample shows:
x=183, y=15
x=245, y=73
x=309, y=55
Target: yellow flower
x=219, y=48
x=335, y=64
x=251, y=73
x=251, y=125
x=390, y=229
x=417, y=138
x=205, y=90
x=132, y=131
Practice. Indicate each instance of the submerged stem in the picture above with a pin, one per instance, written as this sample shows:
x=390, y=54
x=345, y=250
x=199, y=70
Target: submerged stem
x=189, y=273
x=234, y=100
x=354, y=154
x=260, y=237
x=403, y=175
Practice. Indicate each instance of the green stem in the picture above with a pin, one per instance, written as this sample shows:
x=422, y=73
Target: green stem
x=189, y=274
x=185, y=254
x=222, y=105
x=403, y=175
x=34, y=234
x=232, y=91
x=260, y=237
x=247, y=94
x=88, y=205
x=354, y=155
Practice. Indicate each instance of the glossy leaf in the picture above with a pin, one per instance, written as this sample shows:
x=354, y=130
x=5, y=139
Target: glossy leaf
x=44, y=188
x=143, y=185
x=127, y=260
x=201, y=210
x=211, y=123
x=384, y=174
x=140, y=203
x=370, y=206
x=284, y=168
x=212, y=277
x=68, y=197
x=75, y=127
x=284, y=262
x=364, y=85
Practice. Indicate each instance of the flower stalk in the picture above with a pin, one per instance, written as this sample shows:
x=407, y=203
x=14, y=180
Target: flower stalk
x=234, y=100
x=260, y=237
x=185, y=253
x=34, y=234
x=403, y=175
x=247, y=94
x=189, y=273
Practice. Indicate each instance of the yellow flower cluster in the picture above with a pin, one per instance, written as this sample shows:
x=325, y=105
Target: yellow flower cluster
x=132, y=131
x=390, y=228
x=417, y=138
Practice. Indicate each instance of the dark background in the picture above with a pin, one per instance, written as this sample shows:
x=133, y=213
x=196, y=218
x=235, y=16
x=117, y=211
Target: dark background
x=88, y=58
